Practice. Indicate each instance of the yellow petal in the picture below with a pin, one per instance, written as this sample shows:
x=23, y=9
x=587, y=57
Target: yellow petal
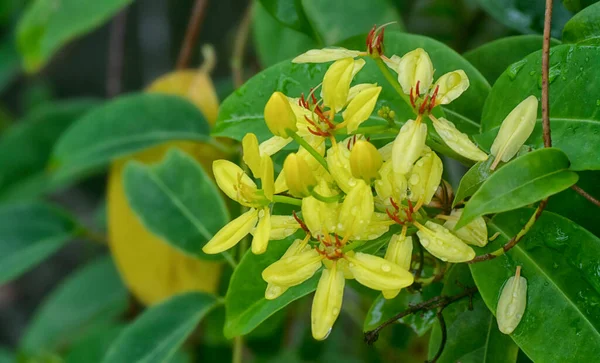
x=293, y=270
x=325, y=55
x=356, y=211
x=273, y=145
x=390, y=185
x=338, y=161
x=378, y=273
x=515, y=129
x=232, y=233
x=378, y=225
x=228, y=177
x=267, y=178
x=280, y=184
x=408, y=146
x=282, y=227
x=425, y=177
x=475, y=233
x=279, y=116
x=451, y=86
x=413, y=67
x=320, y=218
x=438, y=241
x=251, y=153
x=457, y=140
x=360, y=108
x=327, y=302
x=274, y=291
x=399, y=251
x=386, y=151
x=355, y=90
x=336, y=84
x=260, y=241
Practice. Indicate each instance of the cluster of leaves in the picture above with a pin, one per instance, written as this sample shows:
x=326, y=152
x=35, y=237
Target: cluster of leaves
x=68, y=141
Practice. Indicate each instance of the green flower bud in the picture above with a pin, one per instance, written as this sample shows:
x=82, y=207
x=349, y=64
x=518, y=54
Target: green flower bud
x=365, y=161
x=512, y=303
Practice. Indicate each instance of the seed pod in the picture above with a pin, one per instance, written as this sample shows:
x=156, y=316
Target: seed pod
x=299, y=178
x=279, y=115
x=475, y=233
x=365, y=161
x=438, y=241
x=512, y=303
x=425, y=177
x=408, y=146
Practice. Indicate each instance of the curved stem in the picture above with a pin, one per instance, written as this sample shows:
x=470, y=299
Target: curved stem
x=322, y=198
x=287, y=200
x=300, y=141
x=229, y=259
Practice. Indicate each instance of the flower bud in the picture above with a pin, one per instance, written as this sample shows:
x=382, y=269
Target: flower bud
x=293, y=270
x=336, y=84
x=360, y=108
x=327, y=302
x=413, y=67
x=279, y=115
x=475, y=233
x=325, y=55
x=356, y=211
x=399, y=251
x=512, y=303
x=408, y=146
x=425, y=178
x=298, y=176
x=338, y=162
x=450, y=86
x=377, y=273
x=515, y=130
x=457, y=140
x=320, y=217
x=365, y=161
x=438, y=241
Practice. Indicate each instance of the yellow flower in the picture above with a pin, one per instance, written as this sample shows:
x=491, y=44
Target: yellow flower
x=390, y=185
x=475, y=233
x=360, y=107
x=438, y=241
x=365, y=161
x=414, y=67
x=299, y=177
x=273, y=291
x=512, y=303
x=378, y=273
x=399, y=251
x=356, y=211
x=336, y=83
x=293, y=270
x=327, y=302
x=408, y=146
x=515, y=130
x=457, y=140
x=326, y=55
x=279, y=116
x=425, y=178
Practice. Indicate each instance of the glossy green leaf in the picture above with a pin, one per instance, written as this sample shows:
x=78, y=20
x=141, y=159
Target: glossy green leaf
x=242, y=112
x=491, y=59
x=559, y=259
x=122, y=127
x=574, y=99
x=92, y=295
x=273, y=41
x=383, y=309
x=29, y=233
x=288, y=13
x=93, y=346
x=526, y=16
x=583, y=26
x=525, y=180
x=177, y=201
x=47, y=25
x=473, y=335
x=25, y=148
x=577, y=5
x=245, y=303
x=472, y=180
x=156, y=335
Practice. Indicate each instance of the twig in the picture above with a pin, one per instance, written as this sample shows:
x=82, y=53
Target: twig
x=444, y=330
x=545, y=71
x=116, y=43
x=239, y=47
x=238, y=350
x=191, y=34
x=434, y=303
x=586, y=195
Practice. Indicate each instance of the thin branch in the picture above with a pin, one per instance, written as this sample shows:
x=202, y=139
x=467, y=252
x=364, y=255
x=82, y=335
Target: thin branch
x=116, y=45
x=437, y=302
x=545, y=71
x=191, y=34
x=239, y=47
x=444, y=330
x=586, y=195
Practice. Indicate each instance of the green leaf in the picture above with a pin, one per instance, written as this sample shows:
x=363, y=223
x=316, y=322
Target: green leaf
x=156, y=335
x=122, y=127
x=525, y=180
x=574, y=99
x=9, y=61
x=93, y=346
x=577, y=5
x=473, y=334
x=336, y=20
x=245, y=303
x=383, y=309
x=94, y=294
x=177, y=201
x=242, y=112
x=48, y=25
x=273, y=41
x=472, y=180
x=6, y=356
x=559, y=259
x=29, y=233
x=288, y=13
x=526, y=16
x=583, y=26
x=25, y=147
x=491, y=59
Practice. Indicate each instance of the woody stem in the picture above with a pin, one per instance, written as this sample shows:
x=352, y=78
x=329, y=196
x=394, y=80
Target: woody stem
x=392, y=80
x=300, y=141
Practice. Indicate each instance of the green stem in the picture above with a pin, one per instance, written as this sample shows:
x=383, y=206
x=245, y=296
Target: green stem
x=392, y=81
x=287, y=200
x=308, y=148
x=325, y=199
x=238, y=345
x=229, y=259
x=373, y=130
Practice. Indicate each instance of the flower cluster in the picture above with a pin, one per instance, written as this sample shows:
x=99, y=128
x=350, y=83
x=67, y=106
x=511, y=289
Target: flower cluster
x=352, y=192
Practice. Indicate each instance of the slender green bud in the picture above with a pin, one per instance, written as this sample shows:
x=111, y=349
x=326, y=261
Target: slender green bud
x=512, y=303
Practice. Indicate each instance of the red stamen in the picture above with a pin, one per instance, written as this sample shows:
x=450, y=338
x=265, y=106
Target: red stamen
x=338, y=243
x=394, y=217
x=412, y=98
x=423, y=105
x=348, y=146
x=417, y=88
x=394, y=204
x=312, y=94
x=300, y=222
x=432, y=101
